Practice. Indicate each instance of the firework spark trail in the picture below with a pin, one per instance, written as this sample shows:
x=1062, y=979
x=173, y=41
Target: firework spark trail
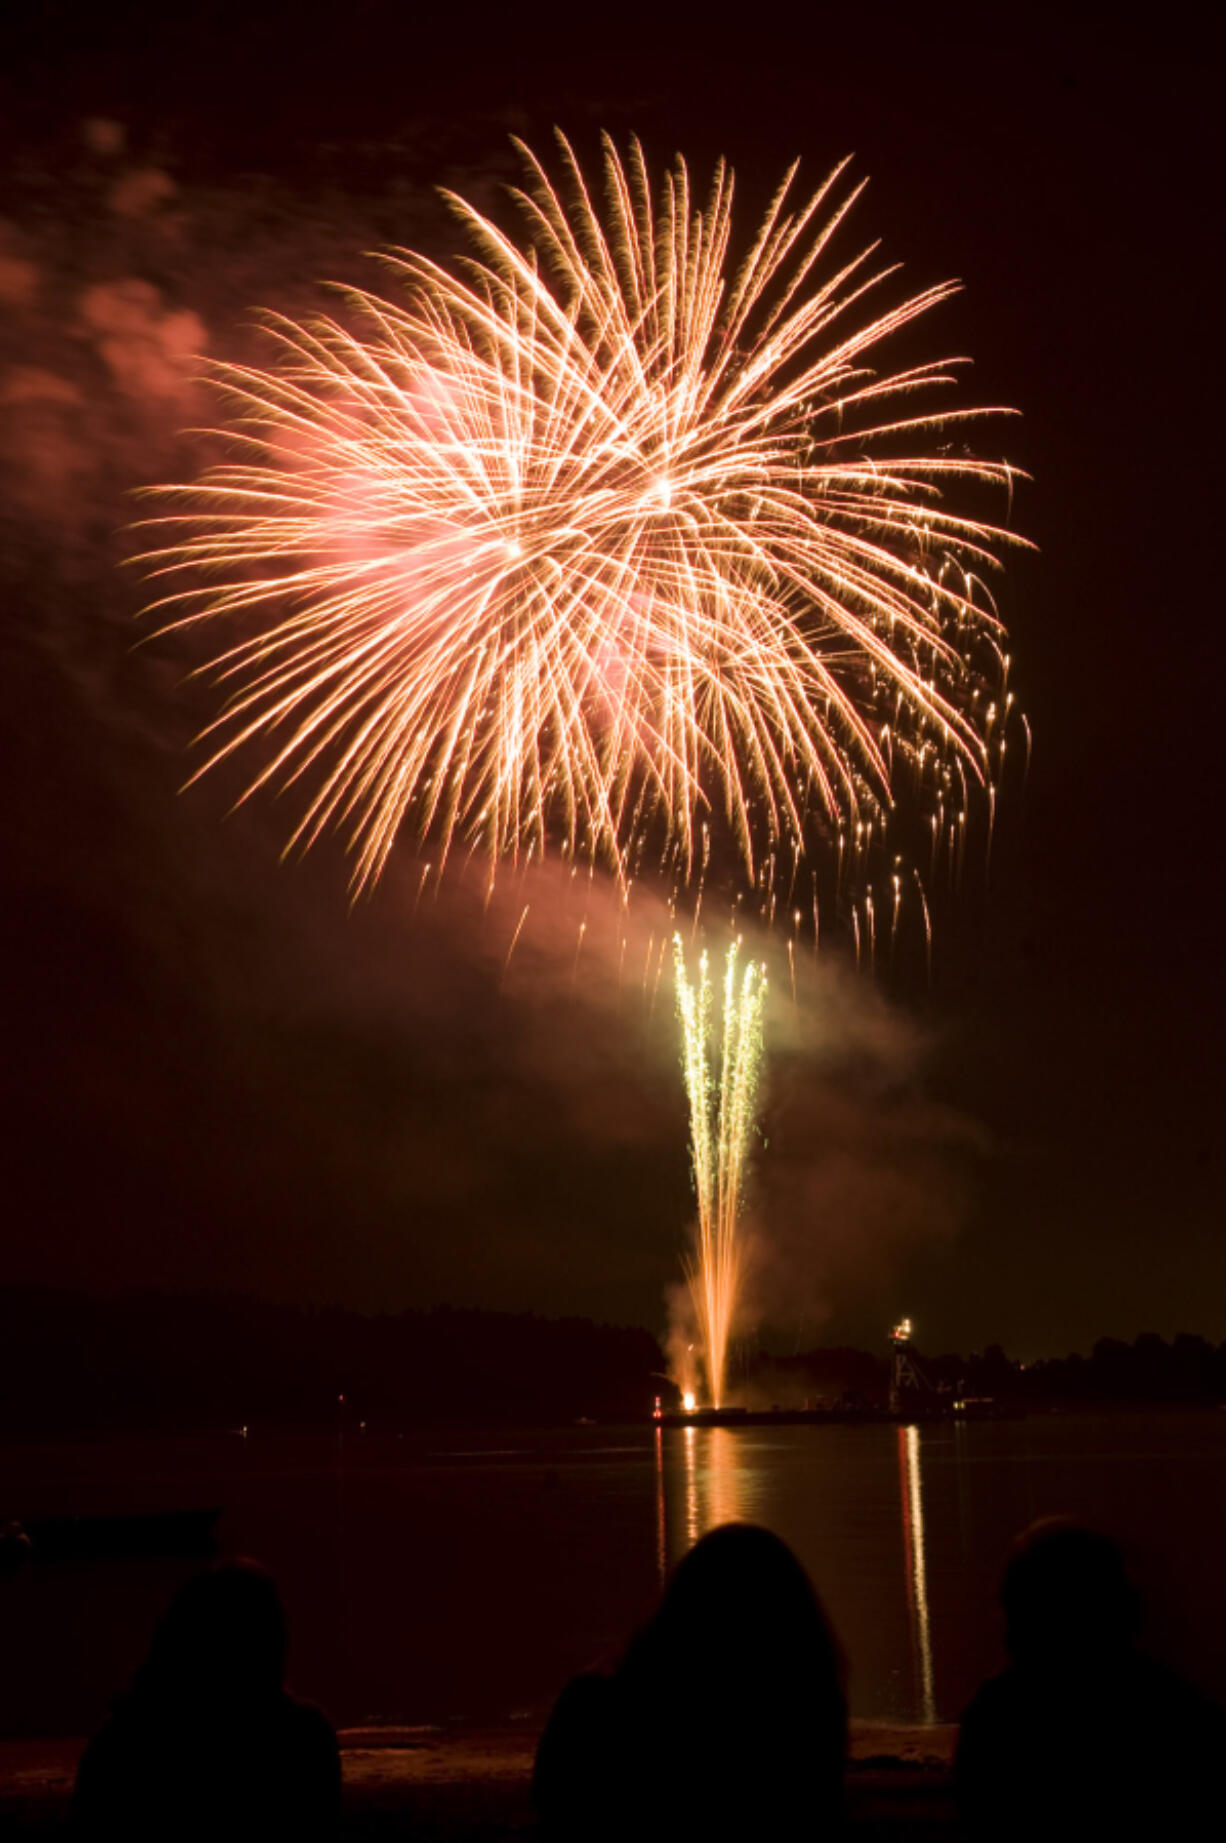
x=722, y=1119
x=599, y=544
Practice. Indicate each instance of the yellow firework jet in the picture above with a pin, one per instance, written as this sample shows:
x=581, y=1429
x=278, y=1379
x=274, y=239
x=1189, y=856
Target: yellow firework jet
x=722, y=1119
x=604, y=542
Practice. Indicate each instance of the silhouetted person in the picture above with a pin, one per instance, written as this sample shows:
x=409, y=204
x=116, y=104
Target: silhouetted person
x=207, y=1743
x=725, y=1718
x=1083, y=1735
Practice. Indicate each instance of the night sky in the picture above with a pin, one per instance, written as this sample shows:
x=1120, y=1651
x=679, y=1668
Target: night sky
x=217, y=1073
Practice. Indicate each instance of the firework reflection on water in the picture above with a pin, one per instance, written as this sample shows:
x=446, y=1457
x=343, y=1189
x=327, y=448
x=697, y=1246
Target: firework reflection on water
x=719, y=1485
x=705, y=1476
x=911, y=1497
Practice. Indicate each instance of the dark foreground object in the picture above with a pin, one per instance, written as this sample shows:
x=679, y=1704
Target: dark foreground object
x=1083, y=1735
x=936, y=1408
x=207, y=1743
x=725, y=1719
x=473, y=1785
x=123, y=1538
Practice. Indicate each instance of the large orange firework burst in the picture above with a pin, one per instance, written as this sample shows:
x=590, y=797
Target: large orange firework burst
x=603, y=542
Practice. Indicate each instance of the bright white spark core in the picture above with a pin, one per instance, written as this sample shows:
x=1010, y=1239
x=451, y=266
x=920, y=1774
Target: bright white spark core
x=603, y=543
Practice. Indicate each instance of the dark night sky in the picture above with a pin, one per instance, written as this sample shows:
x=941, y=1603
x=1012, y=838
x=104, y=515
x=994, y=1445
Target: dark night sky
x=217, y=1074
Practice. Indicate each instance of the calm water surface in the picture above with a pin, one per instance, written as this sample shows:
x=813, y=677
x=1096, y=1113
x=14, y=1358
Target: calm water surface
x=445, y=1575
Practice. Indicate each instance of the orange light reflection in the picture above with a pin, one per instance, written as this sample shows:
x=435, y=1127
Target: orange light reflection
x=912, y=1502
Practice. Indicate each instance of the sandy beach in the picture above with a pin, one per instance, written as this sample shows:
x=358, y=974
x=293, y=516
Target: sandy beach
x=472, y=1785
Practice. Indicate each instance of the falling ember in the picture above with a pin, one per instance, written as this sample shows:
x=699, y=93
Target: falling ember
x=519, y=928
x=612, y=537
x=723, y=1098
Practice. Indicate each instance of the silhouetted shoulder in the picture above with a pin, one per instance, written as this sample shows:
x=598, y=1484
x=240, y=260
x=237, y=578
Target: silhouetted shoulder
x=148, y=1774
x=311, y=1738
x=104, y=1774
x=1134, y=1749
x=725, y=1718
x=1083, y=1734
x=208, y=1743
x=575, y=1759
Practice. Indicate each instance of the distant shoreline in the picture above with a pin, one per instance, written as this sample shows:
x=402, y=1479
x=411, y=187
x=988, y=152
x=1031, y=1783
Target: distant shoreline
x=145, y=1363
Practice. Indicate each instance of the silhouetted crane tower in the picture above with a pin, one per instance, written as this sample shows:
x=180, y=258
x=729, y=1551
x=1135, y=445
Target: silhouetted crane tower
x=907, y=1379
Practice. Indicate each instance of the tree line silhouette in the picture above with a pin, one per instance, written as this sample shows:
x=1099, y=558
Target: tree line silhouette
x=154, y=1361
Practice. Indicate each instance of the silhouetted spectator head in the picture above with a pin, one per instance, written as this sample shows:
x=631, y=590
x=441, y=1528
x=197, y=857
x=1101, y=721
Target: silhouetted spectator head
x=726, y=1717
x=222, y=1637
x=741, y=1592
x=1066, y=1591
x=208, y=1744
x=740, y=1637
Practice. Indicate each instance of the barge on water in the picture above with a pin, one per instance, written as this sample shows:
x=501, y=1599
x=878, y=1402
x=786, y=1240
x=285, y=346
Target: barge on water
x=972, y=1408
x=913, y=1397
x=767, y=1417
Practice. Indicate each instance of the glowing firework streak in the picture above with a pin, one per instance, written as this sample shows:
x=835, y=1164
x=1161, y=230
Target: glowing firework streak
x=604, y=543
x=722, y=1121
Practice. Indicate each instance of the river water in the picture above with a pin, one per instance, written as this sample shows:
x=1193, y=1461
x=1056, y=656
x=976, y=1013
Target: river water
x=446, y=1575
